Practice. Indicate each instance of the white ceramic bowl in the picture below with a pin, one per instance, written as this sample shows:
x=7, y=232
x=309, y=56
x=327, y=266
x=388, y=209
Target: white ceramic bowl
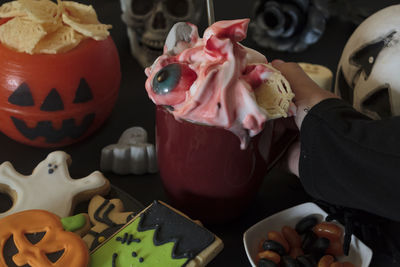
x=360, y=255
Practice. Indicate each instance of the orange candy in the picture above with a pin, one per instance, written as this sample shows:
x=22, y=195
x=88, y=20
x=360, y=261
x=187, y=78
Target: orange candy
x=335, y=248
x=295, y=252
x=291, y=236
x=277, y=237
x=326, y=261
x=348, y=264
x=328, y=230
x=270, y=255
x=341, y=264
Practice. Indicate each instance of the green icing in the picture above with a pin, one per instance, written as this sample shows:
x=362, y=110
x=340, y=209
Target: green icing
x=152, y=255
x=73, y=223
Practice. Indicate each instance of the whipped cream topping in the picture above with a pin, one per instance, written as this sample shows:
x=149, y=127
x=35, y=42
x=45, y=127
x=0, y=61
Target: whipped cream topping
x=211, y=80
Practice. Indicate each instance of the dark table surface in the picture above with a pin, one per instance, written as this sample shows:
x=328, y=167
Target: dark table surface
x=133, y=108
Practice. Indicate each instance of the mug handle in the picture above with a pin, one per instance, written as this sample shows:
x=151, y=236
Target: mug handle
x=284, y=134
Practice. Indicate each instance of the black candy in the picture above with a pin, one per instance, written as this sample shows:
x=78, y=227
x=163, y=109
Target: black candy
x=287, y=261
x=266, y=263
x=309, y=239
x=274, y=246
x=320, y=245
x=306, y=224
x=304, y=261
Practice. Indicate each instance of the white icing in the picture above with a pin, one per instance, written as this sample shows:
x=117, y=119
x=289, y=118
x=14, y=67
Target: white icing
x=53, y=192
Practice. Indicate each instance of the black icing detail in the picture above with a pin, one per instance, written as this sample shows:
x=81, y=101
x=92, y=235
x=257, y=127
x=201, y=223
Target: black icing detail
x=130, y=216
x=9, y=250
x=35, y=237
x=55, y=256
x=379, y=102
x=52, y=102
x=366, y=56
x=114, y=258
x=22, y=96
x=134, y=254
x=104, y=219
x=105, y=233
x=83, y=93
x=113, y=227
x=346, y=91
x=128, y=239
x=45, y=129
x=51, y=171
x=141, y=260
x=189, y=238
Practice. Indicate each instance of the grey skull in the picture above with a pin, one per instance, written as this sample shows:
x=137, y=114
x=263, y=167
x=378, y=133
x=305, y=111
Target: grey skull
x=149, y=21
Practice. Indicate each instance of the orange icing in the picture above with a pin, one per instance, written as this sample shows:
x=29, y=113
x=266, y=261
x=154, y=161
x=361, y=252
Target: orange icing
x=34, y=221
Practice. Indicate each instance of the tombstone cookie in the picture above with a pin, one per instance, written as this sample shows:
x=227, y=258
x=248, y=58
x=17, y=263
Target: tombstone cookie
x=131, y=155
x=107, y=217
x=159, y=236
x=50, y=186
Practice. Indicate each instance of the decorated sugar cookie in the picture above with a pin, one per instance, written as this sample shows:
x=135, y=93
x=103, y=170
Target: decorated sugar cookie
x=79, y=224
x=49, y=187
x=159, y=236
x=107, y=217
x=36, y=238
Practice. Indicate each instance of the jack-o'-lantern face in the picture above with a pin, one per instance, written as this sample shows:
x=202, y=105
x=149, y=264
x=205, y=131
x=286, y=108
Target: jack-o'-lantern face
x=36, y=238
x=55, y=100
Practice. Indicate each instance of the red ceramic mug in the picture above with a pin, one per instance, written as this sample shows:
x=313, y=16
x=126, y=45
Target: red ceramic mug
x=205, y=173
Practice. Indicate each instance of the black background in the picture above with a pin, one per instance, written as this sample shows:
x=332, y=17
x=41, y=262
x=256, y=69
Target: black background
x=133, y=108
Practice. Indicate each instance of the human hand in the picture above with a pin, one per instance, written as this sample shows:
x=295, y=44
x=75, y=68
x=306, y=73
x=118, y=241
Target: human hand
x=307, y=94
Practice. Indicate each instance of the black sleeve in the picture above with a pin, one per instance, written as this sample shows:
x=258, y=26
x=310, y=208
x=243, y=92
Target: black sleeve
x=350, y=160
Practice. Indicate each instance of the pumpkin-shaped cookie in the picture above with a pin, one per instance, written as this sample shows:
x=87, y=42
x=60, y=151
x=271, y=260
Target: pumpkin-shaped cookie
x=37, y=238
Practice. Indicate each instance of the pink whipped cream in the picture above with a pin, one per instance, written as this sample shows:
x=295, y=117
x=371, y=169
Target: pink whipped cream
x=211, y=80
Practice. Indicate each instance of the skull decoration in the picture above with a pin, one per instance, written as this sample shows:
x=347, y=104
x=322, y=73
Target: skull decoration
x=149, y=22
x=367, y=74
x=290, y=25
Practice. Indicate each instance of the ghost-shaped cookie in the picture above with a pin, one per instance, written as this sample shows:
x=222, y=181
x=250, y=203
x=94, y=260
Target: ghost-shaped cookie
x=49, y=187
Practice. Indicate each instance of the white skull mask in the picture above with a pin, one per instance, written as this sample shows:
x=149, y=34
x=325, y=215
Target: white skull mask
x=368, y=72
x=149, y=22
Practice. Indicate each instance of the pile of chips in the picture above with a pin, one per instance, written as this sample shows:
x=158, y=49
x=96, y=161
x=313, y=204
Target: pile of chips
x=44, y=27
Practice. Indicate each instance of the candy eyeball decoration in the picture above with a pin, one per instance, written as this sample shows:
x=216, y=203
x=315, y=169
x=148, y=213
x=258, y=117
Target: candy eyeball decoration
x=290, y=25
x=171, y=83
x=131, y=155
x=149, y=21
x=367, y=74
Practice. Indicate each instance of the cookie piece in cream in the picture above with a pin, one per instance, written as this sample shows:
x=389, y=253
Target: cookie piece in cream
x=50, y=186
